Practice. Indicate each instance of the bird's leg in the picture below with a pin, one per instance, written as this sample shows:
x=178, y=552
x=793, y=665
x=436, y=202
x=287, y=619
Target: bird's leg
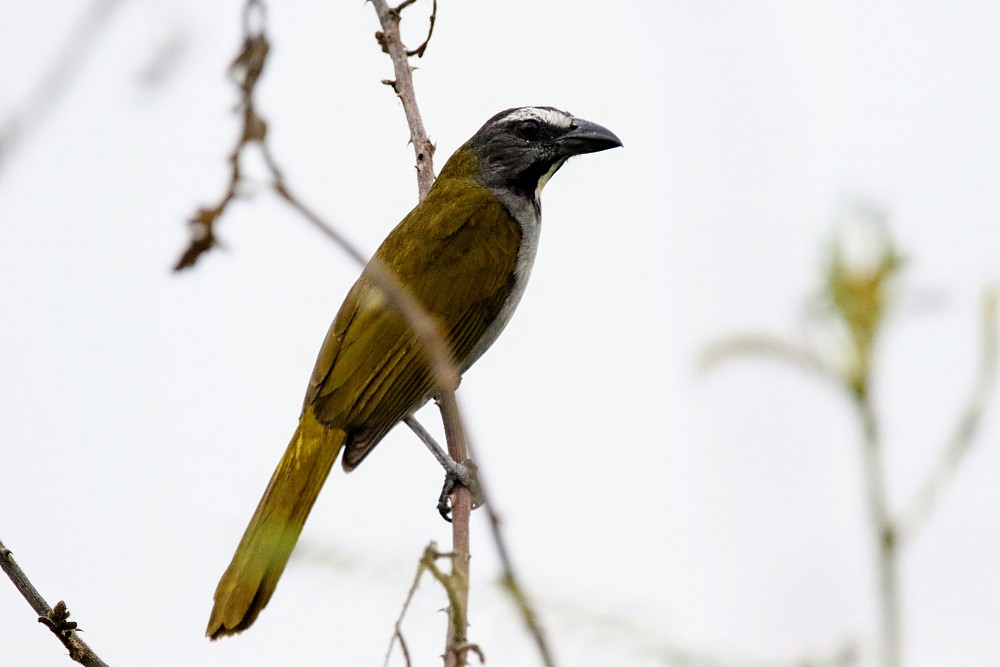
x=429, y=441
x=465, y=474
x=455, y=473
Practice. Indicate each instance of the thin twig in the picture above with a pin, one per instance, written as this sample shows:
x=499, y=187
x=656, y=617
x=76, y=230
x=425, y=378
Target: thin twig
x=55, y=619
x=943, y=473
x=430, y=552
x=404, y=648
x=420, y=50
x=392, y=44
x=428, y=563
x=454, y=590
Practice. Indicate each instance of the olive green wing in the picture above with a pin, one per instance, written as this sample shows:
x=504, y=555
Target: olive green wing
x=456, y=253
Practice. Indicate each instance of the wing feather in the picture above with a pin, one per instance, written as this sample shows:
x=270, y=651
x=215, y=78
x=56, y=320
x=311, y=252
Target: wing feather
x=456, y=252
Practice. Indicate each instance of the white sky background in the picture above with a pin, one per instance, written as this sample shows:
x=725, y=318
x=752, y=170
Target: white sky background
x=648, y=508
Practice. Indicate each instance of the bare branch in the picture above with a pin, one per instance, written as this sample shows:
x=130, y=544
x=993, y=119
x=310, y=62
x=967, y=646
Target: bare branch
x=954, y=453
x=55, y=619
x=457, y=652
x=454, y=589
x=461, y=511
x=389, y=39
x=392, y=44
x=430, y=553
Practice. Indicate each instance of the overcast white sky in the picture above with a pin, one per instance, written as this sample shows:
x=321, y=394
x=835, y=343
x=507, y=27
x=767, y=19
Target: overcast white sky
x=648, y=508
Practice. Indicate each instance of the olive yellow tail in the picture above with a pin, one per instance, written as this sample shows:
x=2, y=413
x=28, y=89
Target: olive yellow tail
x=274, y=529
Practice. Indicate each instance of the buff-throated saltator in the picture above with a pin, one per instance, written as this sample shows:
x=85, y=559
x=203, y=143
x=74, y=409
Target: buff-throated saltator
x=464, y=253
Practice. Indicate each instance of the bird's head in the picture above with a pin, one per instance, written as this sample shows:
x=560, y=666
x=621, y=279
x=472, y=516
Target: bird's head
x=519, y=149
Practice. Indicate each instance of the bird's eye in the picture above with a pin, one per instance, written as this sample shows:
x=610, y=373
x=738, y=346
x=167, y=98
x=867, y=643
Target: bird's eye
x=528, y=129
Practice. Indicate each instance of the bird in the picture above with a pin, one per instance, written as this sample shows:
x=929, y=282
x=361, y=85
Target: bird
x=464, y=253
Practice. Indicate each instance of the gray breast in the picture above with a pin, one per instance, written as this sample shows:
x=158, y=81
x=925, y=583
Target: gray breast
x=528, y=213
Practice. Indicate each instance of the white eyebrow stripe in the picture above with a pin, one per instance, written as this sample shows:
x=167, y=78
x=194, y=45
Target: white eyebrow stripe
x=552, y=117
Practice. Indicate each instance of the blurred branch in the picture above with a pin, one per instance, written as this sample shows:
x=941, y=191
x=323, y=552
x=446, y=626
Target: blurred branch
x=766, y=346
x=55, y=619
x=862, y=263
x=943, y=473
x=512, y=584
x=637, y=640
x=883, y=527
x=843, y=656
x=67, y=64
x=245, y=70
x=164, y=60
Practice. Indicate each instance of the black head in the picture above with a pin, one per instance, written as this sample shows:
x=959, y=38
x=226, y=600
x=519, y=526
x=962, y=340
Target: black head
x=519, y=149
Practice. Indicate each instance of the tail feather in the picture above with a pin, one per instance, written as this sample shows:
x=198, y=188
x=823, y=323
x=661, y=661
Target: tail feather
x=267, y=543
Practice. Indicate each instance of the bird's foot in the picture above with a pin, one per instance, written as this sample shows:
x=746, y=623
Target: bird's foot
x=459, y=474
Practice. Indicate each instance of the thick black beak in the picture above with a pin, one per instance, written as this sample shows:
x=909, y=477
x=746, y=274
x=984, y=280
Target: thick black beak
x=586, y=137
